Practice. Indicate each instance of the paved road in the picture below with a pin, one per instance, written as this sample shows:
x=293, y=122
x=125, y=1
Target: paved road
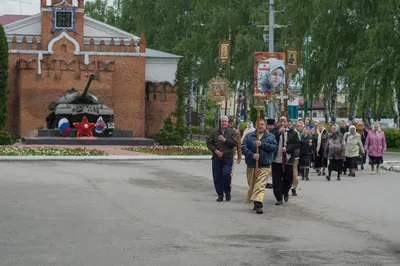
x=164, y=213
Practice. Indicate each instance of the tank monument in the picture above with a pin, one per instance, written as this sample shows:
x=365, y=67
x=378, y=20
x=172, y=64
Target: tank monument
x=80, y=118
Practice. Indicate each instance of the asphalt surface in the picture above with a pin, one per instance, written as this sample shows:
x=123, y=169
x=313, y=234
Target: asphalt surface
x=164, y=213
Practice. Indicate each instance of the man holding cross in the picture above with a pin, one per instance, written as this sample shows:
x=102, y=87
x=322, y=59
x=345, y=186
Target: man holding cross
x=257, y=179
x=282, y=167
x=222, y=142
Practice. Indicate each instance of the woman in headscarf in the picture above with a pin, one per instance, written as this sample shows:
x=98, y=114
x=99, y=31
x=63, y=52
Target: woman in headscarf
x=363, y=133
x=250, y=128
x=319, y=140
x=305, y=153
x=334, y=151
x=376, y=146
x=353, y=149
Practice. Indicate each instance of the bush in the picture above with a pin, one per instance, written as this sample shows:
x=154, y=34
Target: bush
x=168, y=138
x=7, y=138
x=392, y=137
x=171, y=134
x=207, y=130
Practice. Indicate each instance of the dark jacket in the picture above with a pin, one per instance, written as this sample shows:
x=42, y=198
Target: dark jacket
x=227, y=146
x=292, y=143
x=266, y=150
x=305, y=149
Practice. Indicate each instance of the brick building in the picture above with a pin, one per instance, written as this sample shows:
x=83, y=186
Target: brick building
x=56, y=49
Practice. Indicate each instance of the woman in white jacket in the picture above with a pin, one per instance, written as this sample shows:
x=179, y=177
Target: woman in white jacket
x=353, y=149
x=250, y=128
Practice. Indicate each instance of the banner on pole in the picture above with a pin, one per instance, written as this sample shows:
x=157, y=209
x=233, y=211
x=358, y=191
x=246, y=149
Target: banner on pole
x=269, y=73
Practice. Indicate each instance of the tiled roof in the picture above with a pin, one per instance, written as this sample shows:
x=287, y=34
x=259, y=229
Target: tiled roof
x=6, y=19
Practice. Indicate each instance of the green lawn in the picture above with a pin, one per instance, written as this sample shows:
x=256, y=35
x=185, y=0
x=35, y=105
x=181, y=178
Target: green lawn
x=393, y=149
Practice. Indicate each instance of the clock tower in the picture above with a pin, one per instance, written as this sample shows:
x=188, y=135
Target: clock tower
x=62, y=16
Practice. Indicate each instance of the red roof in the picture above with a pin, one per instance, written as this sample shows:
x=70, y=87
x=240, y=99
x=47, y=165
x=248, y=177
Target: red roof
x=7, y=19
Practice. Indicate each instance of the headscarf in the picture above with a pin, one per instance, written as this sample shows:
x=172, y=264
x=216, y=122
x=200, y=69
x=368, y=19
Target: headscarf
x=360, y=131
x=334, y=135
x=273, y=65
x=319, y=141
x=248, y=130
x=352, y=135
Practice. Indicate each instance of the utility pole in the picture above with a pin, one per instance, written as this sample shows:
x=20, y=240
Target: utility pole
x=305, y=104
x=270, y=39
x=271, y=26
x=271, y=105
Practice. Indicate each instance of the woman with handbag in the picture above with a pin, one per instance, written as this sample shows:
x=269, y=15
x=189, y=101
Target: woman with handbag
x=353, y=149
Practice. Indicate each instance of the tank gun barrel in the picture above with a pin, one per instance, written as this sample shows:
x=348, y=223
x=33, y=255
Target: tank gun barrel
x=91, y=78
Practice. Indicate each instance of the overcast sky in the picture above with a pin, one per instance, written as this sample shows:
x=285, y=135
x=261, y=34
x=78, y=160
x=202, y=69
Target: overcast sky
x=22, y=7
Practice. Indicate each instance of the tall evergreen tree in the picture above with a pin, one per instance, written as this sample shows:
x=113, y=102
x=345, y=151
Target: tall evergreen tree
x=3, y=77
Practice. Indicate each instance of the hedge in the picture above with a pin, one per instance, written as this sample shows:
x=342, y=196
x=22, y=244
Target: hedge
x=392, y=137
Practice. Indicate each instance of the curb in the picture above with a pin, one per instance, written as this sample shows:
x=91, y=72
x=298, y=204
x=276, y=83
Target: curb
x=103, y=158
x=391, y=166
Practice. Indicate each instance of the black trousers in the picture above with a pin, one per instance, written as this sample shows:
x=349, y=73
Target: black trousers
x=282, y=180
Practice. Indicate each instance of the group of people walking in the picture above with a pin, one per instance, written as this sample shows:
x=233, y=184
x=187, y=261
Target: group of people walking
x=278, y=150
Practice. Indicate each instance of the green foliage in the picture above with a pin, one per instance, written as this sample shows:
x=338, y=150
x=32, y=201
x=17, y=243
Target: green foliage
x=210, y=118
x=243, y=126
x=207, y=130
x=7, y=138
x=180, y=86
x=353, y=46
x=100, y=11
x=3, y=77
x=171, y=134
x=168, y=138
x=195, y=143
x=392, y=137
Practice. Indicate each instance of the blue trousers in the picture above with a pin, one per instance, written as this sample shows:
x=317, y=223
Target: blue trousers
x=221, y=170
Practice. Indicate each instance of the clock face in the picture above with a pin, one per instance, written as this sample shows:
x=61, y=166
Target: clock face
x=63, y=19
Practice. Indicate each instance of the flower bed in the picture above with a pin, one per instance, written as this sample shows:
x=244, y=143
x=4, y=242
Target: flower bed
x=48, y=151
x=170, y=150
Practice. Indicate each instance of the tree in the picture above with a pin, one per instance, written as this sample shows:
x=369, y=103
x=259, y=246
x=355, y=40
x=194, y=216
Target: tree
x=3, y=77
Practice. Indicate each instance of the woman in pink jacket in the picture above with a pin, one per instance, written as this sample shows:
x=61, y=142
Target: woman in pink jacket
x=376, y=146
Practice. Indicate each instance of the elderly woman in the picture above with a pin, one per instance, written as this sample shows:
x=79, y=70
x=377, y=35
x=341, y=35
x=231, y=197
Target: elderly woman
x=319, y=140
x=250, y=128
x=363, y=133
x=334, y=151
x=305, y=153
x=353, y=149
x=375, y=144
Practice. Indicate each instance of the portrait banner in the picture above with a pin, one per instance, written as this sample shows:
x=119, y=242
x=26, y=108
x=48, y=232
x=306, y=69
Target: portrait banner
x=269, y=73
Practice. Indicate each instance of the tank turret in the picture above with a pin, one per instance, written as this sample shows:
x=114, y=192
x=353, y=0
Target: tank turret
x=73, y=105
x=85, y=91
